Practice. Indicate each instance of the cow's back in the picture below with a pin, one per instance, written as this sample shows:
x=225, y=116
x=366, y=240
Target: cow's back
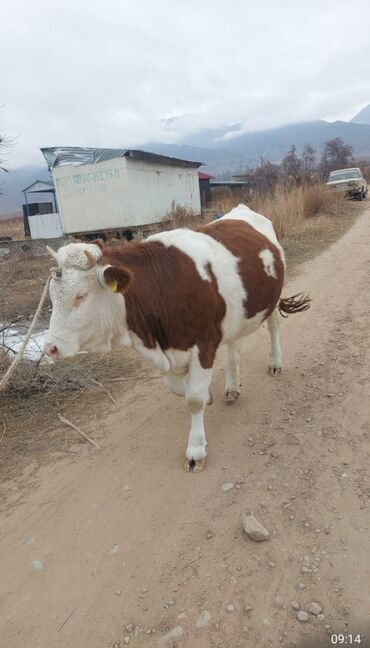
x=251, y=238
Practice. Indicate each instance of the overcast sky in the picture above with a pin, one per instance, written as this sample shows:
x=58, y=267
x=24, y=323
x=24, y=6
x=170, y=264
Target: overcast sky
x=122, y=72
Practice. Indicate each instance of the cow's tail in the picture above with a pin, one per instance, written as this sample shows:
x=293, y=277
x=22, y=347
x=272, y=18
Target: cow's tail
x=295, y=304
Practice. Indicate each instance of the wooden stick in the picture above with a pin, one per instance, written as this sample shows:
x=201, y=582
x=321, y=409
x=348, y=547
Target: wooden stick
x=7, y=326
x=142, y=377
x=190, y=563
x=67, y=619
x=67, y=422
x=5, y=379
x=106, y=391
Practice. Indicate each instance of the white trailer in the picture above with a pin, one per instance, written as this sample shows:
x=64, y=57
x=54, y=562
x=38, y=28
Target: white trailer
x=102, y=190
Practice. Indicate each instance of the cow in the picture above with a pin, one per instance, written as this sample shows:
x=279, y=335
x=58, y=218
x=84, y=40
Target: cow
x=175, y=297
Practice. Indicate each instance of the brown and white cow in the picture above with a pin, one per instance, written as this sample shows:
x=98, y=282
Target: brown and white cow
x=175, y=297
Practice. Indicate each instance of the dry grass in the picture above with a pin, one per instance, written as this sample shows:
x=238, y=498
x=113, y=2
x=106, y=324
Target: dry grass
x=179, y=217
x=290, y=209
x=82, y=389
x=22, y=277
x=12, y=226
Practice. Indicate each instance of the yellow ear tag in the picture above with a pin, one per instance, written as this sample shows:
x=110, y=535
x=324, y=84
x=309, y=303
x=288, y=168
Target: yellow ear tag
x=113, y=286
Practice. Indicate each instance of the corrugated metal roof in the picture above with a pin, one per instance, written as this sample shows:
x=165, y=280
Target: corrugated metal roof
x=204, y=176
x=77, y=156
x=39, y=186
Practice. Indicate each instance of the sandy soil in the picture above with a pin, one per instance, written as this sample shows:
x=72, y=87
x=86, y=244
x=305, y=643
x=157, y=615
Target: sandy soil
x=120, y=546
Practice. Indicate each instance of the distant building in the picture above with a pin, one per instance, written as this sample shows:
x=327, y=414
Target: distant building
x=101, y=191
x=40, y=217
x=205, y=189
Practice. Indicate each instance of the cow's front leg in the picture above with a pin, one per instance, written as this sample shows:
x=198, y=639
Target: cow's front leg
x=197, y=395
x=275, y=362
x=232, y=387
x=176, y=384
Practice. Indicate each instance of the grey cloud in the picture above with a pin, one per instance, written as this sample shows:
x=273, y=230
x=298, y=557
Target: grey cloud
x=120, y=73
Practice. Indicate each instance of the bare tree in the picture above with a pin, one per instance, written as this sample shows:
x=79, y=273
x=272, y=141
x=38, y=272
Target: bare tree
x=291, y=167
x=336, y=155
x=309, y=158
x=4, y=146
x=263, y=178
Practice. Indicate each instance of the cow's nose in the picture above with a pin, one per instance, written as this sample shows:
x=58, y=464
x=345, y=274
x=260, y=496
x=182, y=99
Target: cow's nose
x=51, y=350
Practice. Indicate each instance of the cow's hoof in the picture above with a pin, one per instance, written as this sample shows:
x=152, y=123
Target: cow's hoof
x=274, y=371
x=192, y=465
x=210, y=399
x=232, y=396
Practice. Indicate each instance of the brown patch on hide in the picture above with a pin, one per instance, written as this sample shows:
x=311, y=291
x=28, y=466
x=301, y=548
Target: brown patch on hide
x=245, y=242
x=167, y=302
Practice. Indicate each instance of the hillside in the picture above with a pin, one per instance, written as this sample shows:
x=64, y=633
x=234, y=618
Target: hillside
x=274, y=143
x=363, y=117
x=224, y=151
x=248, y=148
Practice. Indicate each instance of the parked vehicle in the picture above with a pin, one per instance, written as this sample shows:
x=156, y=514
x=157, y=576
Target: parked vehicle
x=349, y=181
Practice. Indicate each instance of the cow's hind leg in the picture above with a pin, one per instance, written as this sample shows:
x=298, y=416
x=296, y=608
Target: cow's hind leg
x=232, y=387
x=275, y=361
x=197, y=384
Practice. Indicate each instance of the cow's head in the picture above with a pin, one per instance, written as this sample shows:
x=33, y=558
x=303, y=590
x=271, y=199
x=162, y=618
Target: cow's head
x=88, y=309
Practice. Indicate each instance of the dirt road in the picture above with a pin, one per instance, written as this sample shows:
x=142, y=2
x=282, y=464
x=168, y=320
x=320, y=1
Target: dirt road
x=122, y=546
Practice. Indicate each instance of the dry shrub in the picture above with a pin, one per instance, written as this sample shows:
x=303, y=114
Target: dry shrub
x=43, y=380
x=12, y=226
x=318, y=199
x=179, y=217
x=224, y=201
x=289, y=208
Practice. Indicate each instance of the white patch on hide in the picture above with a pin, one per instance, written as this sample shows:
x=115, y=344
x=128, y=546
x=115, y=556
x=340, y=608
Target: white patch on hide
x=204, y=250
x=268, y=261
x=259, y=222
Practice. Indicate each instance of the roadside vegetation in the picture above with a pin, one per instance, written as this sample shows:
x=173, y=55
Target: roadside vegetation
x=12, y=226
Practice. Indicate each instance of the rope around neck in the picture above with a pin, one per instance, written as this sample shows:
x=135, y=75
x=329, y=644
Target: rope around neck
x=5, y=379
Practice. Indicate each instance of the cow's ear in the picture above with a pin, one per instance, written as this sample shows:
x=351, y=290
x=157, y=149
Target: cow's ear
x=117, y=279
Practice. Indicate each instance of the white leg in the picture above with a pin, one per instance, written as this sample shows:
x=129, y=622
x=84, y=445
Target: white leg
x=197, y=384
x=157, y=356
x=176, y=384
x=232, y=387
x=275, y=362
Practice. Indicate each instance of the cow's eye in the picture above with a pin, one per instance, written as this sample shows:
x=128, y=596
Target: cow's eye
x=79, y=298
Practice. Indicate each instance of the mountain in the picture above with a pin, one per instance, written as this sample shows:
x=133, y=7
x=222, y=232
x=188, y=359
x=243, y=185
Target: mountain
x=272, y=144
x=246, y=149
x=363, y=117
x=224, y=151
x=218, y=162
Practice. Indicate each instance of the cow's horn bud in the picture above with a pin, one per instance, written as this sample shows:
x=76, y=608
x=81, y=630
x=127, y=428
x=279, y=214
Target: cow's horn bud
x=91, y=259
x=52, y=253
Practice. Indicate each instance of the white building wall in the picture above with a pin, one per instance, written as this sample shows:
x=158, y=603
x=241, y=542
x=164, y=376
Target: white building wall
x=45, y=226
x=93, y=196
x=155, y=188
x=120, y=193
